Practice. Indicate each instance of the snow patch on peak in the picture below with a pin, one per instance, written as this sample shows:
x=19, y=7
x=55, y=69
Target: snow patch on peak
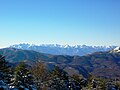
x=115, y=50
x=66, y=46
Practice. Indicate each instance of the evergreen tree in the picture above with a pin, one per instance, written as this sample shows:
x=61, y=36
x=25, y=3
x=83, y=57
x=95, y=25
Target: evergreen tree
x=58, y=79
x=22, y=77
x=80, y=82
x=4, y=70
x=40, y=75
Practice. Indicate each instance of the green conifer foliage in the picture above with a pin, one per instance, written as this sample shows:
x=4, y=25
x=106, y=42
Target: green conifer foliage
x=4, y=70
x=22, y=77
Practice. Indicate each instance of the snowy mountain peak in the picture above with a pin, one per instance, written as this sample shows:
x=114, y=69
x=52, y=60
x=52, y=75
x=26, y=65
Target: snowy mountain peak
x=115, y=50
x=57, y=49
x=66, y=46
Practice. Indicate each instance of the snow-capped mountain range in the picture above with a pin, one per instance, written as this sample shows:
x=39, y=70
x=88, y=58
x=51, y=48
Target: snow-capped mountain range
x=57, y=49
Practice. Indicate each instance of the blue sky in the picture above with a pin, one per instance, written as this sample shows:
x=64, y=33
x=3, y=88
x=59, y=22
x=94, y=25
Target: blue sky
x=90, y=22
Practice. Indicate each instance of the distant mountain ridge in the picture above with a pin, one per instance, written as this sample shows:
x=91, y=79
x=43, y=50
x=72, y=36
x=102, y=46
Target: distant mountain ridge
x=57, y=49
x=102, y=64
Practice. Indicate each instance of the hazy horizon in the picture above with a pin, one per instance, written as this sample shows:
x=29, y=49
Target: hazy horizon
x=78, y=22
